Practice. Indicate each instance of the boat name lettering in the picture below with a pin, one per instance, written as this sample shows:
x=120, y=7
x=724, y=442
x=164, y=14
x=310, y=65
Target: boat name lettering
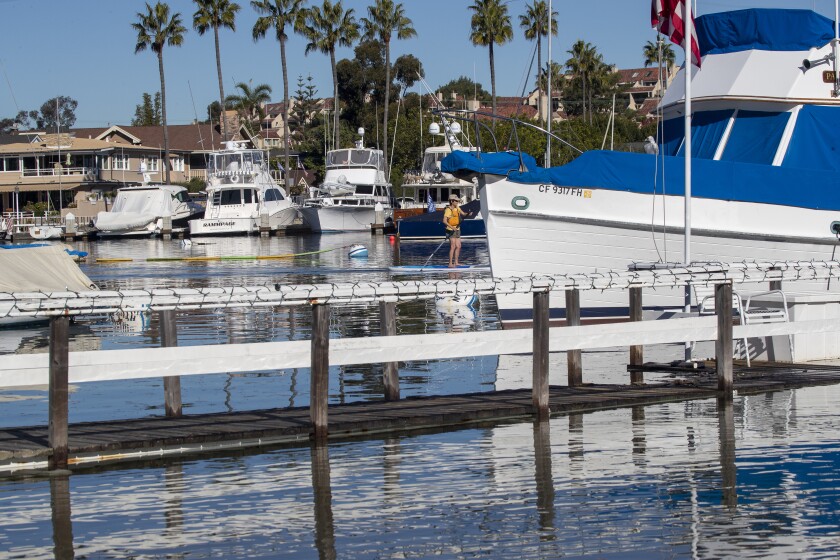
x=219, y=224
x=569, y=191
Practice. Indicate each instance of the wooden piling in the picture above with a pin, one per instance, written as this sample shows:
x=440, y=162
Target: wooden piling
x=58, y=389
x=171, y=384
x=540, y=361
x=574, y=356
x=320, y=371
x=723, y=344
x=637, y=353
x=388, y=327
x=62, y=525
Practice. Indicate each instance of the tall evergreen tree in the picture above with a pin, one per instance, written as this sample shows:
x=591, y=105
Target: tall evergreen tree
x=386, y=19
x=156, y=28
x=147, y=113
x=327, y=27
x=491, y=26
x=277, y=14
x=213, y=14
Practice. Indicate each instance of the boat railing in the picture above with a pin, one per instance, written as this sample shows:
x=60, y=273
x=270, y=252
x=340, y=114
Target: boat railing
x=478, y=121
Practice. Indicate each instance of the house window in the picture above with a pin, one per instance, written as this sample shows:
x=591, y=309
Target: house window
x=177, y=164
x=120, y=162
x=11, y=164
x=104, y=162
x=152, y=163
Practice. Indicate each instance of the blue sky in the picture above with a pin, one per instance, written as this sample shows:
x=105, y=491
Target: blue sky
x=85, y=49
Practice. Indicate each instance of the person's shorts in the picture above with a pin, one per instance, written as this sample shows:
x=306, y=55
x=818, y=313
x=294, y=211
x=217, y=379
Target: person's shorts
x=450, y=233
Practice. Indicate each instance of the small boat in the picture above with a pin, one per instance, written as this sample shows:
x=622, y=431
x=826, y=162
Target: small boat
x=765, y=172
x=45, y=232
x=47, y=268
x=429, y=225
x=140, y=210
x=437, y=268
x=242, y=197
x=353, y=191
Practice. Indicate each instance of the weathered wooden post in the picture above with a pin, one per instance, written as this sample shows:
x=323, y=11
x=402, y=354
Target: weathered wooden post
x=573, y=320
x=723, y=344
x=62, y=525
x=637, y=352
x=320, y=371
x=388, y=327
x=171, y=384
x=59, y=379
x=539, y=390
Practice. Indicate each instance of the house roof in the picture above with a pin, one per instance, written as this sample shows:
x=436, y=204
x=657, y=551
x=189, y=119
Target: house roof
x=182, y=137
x=49, y=145
x=631, y=75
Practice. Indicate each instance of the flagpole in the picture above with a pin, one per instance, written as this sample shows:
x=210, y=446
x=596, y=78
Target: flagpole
x=687, y=199
x=548, y=93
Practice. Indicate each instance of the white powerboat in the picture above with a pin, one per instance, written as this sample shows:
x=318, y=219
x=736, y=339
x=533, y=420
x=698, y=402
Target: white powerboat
x=765, y=177
x=354, y=188
x=241, y=195
x=140, y=210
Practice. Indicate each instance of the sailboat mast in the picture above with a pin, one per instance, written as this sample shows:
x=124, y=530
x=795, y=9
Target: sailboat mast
x=548, y=94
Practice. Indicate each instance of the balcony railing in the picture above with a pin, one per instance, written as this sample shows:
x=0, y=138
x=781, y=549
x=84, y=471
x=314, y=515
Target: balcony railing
x=87, y=173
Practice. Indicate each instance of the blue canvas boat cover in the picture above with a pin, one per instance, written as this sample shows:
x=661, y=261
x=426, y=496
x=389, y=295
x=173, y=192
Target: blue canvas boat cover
x=724, y=180
x=763, y=29
x=493, y=163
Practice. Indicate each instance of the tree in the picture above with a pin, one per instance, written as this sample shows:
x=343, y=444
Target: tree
x=583, y=60
x=305, y=103
x=326, y=27
x=8, y=126
x=156, y=29
x=385, y=20
x=464, y=87
x=148, y=112
x=249, y=104
x=408, y=70
x=276, y=14
x=534, y=23
x=490, y=26
x=651, y=53
x=213, y=14
x=214, y=112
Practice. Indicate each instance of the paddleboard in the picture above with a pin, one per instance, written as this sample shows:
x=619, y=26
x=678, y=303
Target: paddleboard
x=432, y=268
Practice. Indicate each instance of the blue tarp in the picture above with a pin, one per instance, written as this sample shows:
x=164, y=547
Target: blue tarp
x=755, y=137
x=723, y=180
x=763, y=29
x=706, y=131
x=815, y=143
x=672, y=136
x=494, y=163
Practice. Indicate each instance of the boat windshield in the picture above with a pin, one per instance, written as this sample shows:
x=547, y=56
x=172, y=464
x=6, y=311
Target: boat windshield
x=248, y=160
x=431, y=161
x=355, y=158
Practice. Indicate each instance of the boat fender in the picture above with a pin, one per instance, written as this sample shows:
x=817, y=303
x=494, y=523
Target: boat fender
x=358, y=251
x=234, y=178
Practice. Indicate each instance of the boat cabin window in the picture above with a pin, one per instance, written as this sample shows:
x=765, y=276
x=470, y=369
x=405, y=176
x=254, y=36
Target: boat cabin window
x=182, y=196
x=250, y=196
x=431, y=162
x=815, y=143
x=755, y=137
x=231, y=196
x=355, y=158
x=364, y=189
x=235, y=162
x=273, y=194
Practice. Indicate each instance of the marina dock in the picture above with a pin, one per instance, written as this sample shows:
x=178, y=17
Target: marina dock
x=148, y=438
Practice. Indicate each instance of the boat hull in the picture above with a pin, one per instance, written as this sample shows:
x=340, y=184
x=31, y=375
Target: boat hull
x=536, y=230
x=241, y=225
x=339, y=218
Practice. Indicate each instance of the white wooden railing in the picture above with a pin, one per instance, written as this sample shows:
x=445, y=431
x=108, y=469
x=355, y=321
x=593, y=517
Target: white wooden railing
x=60, y=367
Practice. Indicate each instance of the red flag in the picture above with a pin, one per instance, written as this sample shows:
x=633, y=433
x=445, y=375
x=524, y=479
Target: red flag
x=668, y=16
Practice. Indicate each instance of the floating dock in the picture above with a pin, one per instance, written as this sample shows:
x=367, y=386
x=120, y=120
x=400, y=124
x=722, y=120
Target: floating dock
x=151, y=438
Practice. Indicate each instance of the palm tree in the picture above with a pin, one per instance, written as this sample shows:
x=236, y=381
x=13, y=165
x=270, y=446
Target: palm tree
x=534, y=22
x=276, y=14
x=325, y=28
x=155, y=29
x=651, y=53
x=213, y=14
x=249, y=104
x=581, y=64
x=491, y=26
x=386, y=19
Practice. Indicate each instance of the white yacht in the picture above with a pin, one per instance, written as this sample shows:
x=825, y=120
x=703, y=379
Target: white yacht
x=140, y=210
x=354, y=187
x=241, y=194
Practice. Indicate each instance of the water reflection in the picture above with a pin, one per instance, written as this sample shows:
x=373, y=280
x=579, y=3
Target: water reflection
x=614, y=483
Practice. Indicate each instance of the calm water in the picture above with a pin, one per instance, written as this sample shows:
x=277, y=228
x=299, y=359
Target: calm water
x=755, y=479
